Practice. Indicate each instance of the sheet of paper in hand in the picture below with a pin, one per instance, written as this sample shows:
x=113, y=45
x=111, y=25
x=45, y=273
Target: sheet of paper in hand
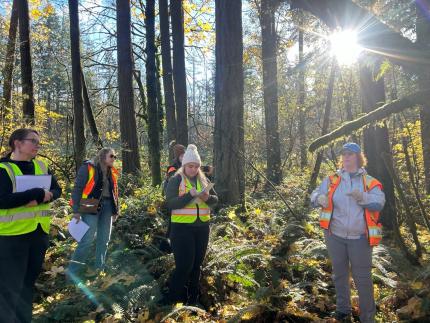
x=27, y=182
x=208, y=188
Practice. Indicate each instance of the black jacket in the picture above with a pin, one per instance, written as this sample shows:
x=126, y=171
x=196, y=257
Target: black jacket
x=9, y=200
x=82, y=179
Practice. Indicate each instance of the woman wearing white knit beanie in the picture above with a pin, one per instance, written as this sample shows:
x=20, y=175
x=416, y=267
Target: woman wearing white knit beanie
x=190, y=196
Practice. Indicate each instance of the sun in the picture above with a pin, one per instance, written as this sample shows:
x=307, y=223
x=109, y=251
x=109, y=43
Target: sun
x=344, y=47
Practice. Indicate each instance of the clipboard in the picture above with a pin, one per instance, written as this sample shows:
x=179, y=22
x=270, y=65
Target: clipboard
x=27, y=182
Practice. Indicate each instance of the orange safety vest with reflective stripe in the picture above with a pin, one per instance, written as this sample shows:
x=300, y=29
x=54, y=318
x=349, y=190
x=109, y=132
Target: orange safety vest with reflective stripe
x=374, y=228
x=192, y=210
x=91, y=183
x=24, y=219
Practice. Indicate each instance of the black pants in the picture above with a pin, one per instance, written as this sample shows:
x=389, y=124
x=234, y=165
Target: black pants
x=189, y=244
x=21, y=259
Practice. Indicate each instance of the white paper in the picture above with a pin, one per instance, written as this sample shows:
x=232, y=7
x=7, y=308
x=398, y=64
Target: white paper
x=27, y=182
x=77, y=230
x=207, y=188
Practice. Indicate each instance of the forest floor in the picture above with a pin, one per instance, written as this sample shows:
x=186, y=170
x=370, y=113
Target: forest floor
x=262, y=265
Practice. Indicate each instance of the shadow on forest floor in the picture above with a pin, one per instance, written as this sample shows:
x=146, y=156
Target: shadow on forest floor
x=261, y=266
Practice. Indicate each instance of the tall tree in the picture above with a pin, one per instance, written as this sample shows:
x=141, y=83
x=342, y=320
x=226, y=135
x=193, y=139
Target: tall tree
x=179, y=75
x=423, y=40
x=89, y=114
x=10, y=55
x=302, y=95
x=78, y=103
x=376, y=139
x=26, y=65
x=325, y=125
x=166, y=60
x=151, y=85
x=269, y=48
x=127, y=118
x=229, y=132
x=160, y=102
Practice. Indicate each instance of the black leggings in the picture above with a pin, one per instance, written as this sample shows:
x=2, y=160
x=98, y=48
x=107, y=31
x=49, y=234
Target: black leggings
x=189, y=244
x=21, y=259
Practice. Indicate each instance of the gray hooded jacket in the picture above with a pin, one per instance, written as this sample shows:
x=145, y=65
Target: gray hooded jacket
x=348, y=215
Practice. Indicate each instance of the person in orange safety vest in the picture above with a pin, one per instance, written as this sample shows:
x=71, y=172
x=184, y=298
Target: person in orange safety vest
x=350, y=202
x=96, y=179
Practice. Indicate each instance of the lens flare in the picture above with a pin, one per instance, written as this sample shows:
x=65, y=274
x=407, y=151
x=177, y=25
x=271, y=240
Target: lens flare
x=344, y=47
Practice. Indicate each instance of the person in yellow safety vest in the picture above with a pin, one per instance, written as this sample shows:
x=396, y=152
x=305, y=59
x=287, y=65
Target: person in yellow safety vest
x=189, y=235
x=350, y=202
x=24, y=225
x=98, y=179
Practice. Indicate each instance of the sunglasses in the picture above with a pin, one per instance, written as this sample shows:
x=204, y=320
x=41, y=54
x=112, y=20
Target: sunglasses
x=112, y=156
x=33, y=141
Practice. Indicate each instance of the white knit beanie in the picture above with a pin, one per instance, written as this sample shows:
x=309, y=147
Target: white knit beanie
x=191, y=156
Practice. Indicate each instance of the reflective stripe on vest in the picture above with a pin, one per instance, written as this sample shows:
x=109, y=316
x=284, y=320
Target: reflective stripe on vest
x=189, y=213
x=21, y=216
x=115, y=175
x=374, y=228
x=23, y=219
x=90, y=183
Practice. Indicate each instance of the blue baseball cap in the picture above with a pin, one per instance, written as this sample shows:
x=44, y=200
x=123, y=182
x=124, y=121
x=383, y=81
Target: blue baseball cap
x=352, y=147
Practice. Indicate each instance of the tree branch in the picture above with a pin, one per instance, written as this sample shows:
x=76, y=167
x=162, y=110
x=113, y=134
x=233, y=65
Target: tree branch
x=417, y=98
x=373, y=35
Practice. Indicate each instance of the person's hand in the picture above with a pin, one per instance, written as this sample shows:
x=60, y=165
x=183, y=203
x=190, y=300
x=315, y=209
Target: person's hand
x=322, y=200
x=114, y=217
x=356, y=195
x=77, y=216
x=48, y=196
x=193, y=192
x=31, y=203
x=204, y=196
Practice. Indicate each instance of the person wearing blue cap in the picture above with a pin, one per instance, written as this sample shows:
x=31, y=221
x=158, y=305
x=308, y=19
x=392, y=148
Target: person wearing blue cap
x=350, y=202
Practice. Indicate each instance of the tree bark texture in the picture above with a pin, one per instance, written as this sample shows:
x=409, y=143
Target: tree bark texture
x=229, y=87
x=179, y=74
x=269, y=49
x=130, y=151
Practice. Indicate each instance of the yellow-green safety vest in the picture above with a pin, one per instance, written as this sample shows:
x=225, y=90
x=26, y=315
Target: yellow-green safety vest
x=24, y=219
x=189, y=213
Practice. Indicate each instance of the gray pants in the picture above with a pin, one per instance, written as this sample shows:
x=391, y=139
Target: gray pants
x=358, y=254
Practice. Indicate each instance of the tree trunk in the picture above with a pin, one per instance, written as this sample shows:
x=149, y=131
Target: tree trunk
x=301, y=102
x=325, y=125
x=160, y=104
x=179, y=75
x=169, y=96
x=143, y=111
x=376, y=140
x=229, y=146
x=89, y=113
x=151, y=86
x=10, y=56
x=409, y=216
x=127, y=118
x=423, y=40
x=411, y=175
x=26, y=65
x=269, y=49
x=78, y=104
